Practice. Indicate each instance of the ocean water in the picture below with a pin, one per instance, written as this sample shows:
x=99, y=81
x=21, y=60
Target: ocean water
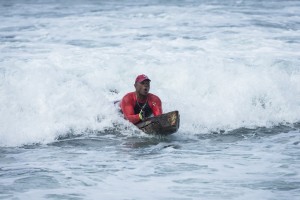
x=231, y=68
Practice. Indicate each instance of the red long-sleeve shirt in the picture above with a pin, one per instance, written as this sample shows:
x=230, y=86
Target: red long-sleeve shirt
x=129, y=102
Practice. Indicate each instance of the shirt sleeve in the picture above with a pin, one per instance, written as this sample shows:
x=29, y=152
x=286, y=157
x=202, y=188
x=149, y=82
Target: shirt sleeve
x=127, y=107
x=155, y=105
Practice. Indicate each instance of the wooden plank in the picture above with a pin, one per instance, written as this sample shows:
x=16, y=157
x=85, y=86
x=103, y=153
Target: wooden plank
x=165, y=124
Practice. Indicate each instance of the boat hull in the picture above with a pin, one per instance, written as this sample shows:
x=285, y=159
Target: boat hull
x=165, y=124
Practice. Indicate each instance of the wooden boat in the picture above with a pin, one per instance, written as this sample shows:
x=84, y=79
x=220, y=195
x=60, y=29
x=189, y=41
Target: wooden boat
x=165, y=124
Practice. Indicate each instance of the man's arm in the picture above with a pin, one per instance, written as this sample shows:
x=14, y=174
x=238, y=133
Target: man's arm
x=127, y=106
x=155, y=104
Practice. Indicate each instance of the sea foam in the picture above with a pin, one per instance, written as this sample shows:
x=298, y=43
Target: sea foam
x=221, y=69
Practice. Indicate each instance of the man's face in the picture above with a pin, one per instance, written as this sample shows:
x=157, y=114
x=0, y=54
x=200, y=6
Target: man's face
x=143, y=87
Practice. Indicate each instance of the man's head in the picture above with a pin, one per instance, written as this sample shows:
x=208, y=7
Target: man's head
x=142, y=85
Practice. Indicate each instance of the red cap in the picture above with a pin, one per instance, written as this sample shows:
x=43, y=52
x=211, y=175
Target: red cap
x=141, y=78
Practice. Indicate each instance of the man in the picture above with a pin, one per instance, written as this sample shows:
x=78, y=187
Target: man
x=137, y=106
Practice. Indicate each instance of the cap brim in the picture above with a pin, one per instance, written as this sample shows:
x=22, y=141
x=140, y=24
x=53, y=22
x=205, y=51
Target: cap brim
x=139, y=81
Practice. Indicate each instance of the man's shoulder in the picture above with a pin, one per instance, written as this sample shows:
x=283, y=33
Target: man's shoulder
x=153, y=97
x=128, y=96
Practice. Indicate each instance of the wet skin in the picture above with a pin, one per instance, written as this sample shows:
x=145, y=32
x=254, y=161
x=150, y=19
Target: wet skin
x=142, y=89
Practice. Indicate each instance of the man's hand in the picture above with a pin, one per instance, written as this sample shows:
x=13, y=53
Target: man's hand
x=142, y=115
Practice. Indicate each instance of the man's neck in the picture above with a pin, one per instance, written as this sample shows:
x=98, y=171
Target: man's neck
x=141, y=97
